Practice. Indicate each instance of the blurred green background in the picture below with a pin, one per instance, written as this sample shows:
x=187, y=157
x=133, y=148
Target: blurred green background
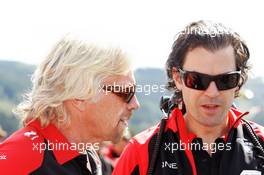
x=15, y=81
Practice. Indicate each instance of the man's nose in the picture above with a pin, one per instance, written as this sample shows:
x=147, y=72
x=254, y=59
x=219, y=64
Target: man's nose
x=212, y=90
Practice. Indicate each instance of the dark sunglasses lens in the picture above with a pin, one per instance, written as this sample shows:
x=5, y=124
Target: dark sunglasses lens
x=129, y=97
x=127, y=94
x=131, y=92
x=227, y=81
x=196, y=81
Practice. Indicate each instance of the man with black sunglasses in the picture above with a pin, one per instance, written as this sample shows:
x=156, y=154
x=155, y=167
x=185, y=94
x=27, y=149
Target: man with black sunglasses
x=201, y=133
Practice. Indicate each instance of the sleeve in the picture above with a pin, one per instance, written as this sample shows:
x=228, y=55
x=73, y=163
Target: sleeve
x=128, y=163
x=18, y=155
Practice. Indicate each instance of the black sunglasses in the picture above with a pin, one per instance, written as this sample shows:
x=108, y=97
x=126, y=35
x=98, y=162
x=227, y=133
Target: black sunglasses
x=199, y=81
x=126, y=93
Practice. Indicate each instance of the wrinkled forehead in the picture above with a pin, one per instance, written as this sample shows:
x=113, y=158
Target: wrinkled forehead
x=128, y=80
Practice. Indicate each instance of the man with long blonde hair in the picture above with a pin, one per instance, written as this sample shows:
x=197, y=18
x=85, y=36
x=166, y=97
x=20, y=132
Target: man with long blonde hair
x=82, y=94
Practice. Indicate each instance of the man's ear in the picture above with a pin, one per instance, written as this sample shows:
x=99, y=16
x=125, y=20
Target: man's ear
x=177, y=78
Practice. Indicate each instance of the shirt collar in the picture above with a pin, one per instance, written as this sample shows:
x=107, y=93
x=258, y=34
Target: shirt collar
x=176, y=119
x=62, y=148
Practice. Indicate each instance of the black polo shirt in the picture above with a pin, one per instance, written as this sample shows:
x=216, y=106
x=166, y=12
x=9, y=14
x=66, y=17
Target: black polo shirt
x=238, y=155
x=206, y=163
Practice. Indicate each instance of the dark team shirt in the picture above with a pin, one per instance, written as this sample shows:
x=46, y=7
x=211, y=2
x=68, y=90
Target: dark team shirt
x=235, y=153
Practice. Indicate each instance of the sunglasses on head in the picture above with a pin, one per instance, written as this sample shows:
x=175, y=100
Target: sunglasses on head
x=125, y=93
x=200, y=81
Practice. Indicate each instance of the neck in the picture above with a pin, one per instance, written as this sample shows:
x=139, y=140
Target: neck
x=74, y=135
x=208, y=133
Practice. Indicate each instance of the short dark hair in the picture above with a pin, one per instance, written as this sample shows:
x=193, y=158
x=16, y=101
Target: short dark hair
x=211, y=36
